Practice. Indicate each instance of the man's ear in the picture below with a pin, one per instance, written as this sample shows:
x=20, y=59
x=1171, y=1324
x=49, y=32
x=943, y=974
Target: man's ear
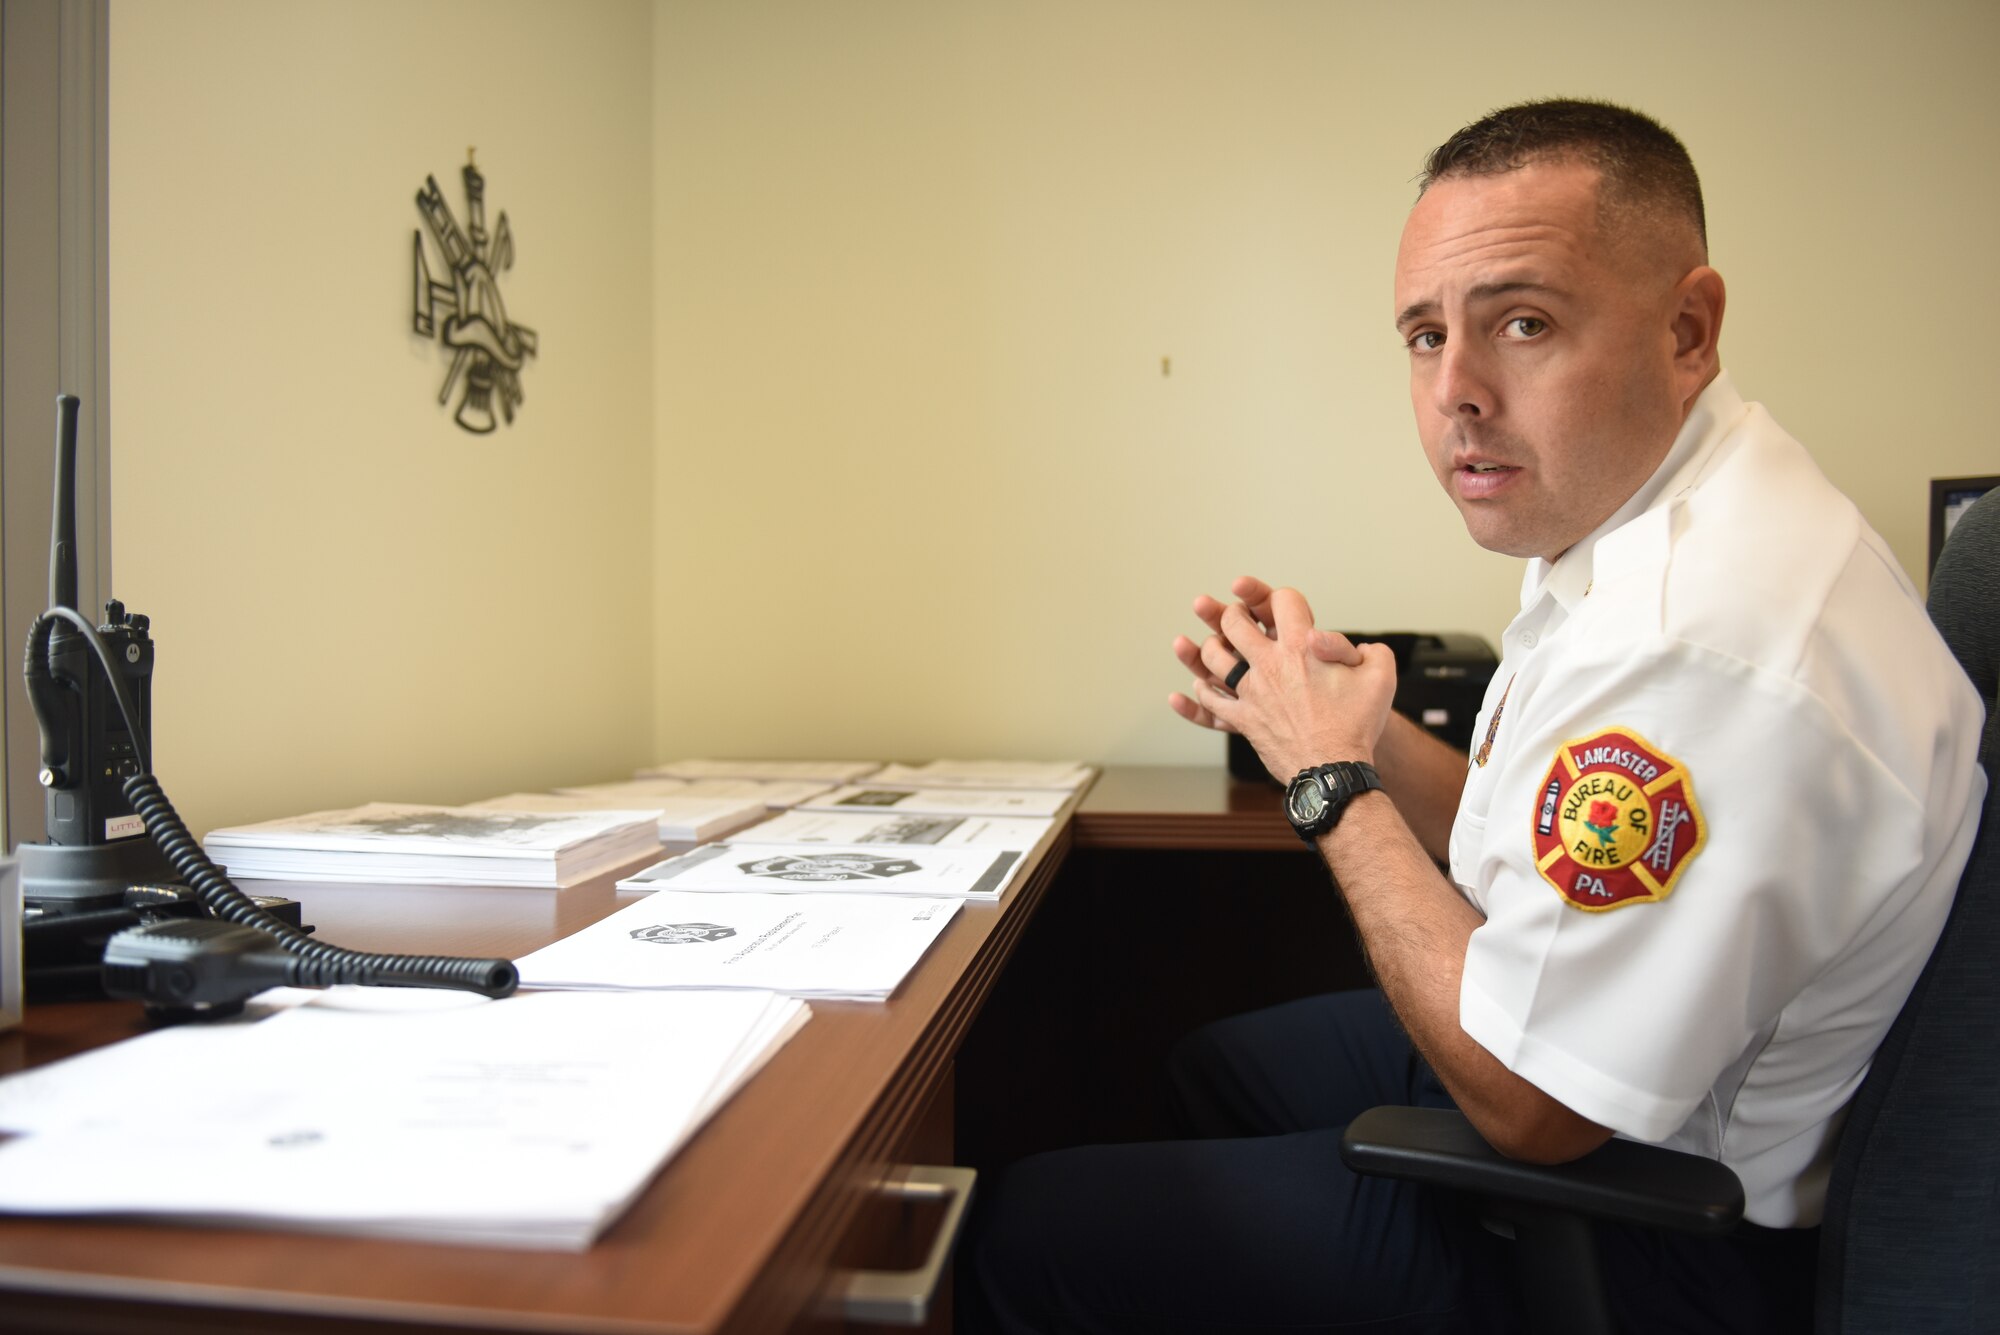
x=1697, y=327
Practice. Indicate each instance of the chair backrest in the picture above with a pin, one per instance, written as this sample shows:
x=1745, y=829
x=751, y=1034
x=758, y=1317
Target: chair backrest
x=1965, y=605
x=1911, y=1236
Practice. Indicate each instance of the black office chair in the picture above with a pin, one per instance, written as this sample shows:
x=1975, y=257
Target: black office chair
x=1910, y=1240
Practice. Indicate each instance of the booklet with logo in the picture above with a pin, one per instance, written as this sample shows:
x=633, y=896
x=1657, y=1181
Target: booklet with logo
x=855, y=947
x=1065, y=774
x=681, y=818
x=963, y=873
x=892, y=829
x=392, y=843
x=942, y=801
x=390, y=1112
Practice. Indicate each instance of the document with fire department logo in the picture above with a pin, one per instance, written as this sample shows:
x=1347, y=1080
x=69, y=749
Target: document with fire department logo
x=852, y=947
x=961, y=872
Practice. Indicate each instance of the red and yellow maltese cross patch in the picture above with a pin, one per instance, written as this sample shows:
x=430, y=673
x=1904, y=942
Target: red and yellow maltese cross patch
x=1615, y=821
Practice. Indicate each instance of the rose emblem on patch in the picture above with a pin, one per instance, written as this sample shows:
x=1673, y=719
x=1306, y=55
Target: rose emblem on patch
x=1615, y=821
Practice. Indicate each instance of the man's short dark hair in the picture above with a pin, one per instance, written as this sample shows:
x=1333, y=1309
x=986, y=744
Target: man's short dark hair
x=1642, y=164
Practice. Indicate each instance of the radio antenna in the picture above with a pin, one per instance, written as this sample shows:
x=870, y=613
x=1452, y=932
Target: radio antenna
x=62, y=526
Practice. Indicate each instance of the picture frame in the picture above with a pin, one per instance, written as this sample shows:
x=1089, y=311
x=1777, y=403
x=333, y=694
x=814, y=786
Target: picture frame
x=1949, y=498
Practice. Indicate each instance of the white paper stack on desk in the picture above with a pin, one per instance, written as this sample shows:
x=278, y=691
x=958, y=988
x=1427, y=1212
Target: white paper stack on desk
x=680, y=817
x=869, y=828
x=776, y=794
x=853, y=947
x=827, y=772
x=729, y=867
x=1068, y=775
x=390, y=843
x=391, y=1112
x=872, y=796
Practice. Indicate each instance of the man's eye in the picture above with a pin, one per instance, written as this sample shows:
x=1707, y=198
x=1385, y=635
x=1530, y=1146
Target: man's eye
x=1425, y=340
x=1526, y=326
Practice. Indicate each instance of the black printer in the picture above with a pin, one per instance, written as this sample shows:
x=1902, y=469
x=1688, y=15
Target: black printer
x=1440, y=681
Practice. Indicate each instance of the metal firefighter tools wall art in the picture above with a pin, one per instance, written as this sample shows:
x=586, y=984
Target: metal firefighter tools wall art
x=488, y=350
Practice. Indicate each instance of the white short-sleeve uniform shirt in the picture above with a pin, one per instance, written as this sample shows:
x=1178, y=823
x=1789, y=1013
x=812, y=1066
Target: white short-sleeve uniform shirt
x=1729, y=782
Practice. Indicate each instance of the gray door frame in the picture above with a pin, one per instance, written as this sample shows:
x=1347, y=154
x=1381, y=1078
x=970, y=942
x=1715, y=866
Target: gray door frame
x=54, y=262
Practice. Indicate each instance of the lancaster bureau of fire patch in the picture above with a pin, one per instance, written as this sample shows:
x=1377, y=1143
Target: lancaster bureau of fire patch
x=1615, y=821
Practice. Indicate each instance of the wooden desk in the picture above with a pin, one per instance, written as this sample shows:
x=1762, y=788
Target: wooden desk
x=739, y=1233
x=1169, y=807
x=1187, y=898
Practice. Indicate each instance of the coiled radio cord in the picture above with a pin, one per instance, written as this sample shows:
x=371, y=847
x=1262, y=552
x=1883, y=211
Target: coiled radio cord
x=312, y=963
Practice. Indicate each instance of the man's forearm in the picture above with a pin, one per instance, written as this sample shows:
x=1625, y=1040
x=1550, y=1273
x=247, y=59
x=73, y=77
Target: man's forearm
x=1425, y=777
x=1415, y=926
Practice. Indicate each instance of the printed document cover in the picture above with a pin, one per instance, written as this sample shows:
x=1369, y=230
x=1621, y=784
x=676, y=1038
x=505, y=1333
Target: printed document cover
x=966, y=873
x=856, y=947
x=866, y=828
x=386, y=842
x=1064, y=774
x=683, y=819
x=529, y=1122
x=943, y=801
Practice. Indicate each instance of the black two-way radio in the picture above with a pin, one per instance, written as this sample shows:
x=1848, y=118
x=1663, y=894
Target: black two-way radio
x=117, y=846
x=97, y=844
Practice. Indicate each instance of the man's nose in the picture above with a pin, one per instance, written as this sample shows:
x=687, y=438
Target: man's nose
x=1464, y=384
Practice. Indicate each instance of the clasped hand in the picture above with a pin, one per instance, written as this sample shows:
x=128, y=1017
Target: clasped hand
x=1309, y=697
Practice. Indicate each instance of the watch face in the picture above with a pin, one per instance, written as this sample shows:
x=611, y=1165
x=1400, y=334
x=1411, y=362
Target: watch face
x=1305, y=802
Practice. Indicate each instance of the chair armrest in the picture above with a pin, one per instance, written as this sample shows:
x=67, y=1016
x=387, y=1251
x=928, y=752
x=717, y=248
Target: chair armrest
x=1621, y=1181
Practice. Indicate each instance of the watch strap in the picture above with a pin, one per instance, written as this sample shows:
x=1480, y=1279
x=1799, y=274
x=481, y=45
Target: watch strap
x=1340, y=783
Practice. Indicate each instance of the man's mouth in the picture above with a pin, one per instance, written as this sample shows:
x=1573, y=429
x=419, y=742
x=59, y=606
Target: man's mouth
x=1479, y=480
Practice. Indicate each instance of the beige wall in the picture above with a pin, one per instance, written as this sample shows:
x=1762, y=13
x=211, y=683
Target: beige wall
x=353, y=598
x=922, y=486
x=850, y=433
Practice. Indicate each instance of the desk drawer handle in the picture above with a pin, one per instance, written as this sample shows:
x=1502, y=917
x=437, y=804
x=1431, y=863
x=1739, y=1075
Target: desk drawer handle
x=903, y=1297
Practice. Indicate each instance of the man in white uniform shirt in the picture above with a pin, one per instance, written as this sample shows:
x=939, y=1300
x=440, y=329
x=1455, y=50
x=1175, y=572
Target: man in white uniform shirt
x=1721, y=791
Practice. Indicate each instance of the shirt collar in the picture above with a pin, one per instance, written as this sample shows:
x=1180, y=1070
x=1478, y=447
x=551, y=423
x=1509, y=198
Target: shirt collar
x=1568, y=578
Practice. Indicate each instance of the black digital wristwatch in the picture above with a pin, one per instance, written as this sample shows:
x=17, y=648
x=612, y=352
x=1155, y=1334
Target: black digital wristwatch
x=1315, y=797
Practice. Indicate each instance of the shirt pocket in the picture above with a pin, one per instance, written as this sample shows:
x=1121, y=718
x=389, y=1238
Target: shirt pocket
x=1466, y=846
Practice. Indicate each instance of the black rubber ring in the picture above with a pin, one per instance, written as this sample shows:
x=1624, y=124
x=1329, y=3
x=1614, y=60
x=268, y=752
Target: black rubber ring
x=1236, y=673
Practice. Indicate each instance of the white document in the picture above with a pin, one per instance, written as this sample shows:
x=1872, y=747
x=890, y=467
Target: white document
x=772, y=795
x=777, y=794
x=402, y=844
x=869, y=828
x=828, y=772
x=688, y=819
x=1068, y=775
x=530, y=1122
x=963, y=873
x=846, y=946
x=943, y=801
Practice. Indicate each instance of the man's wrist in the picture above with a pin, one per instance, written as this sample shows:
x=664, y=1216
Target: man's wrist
x=1319, y=794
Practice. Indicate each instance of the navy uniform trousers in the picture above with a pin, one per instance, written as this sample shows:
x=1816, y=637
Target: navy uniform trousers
x=1256, y=1225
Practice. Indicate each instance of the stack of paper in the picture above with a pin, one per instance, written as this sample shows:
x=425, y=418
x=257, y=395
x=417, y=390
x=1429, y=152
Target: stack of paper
x=828, y=772
x=963, y=873
x=855, y=947
x=680, y=817
x=1068, y=775
x=942, y=801
x=391, y=1112
x=775, y=794
x=395, y=844
x=877, y=829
